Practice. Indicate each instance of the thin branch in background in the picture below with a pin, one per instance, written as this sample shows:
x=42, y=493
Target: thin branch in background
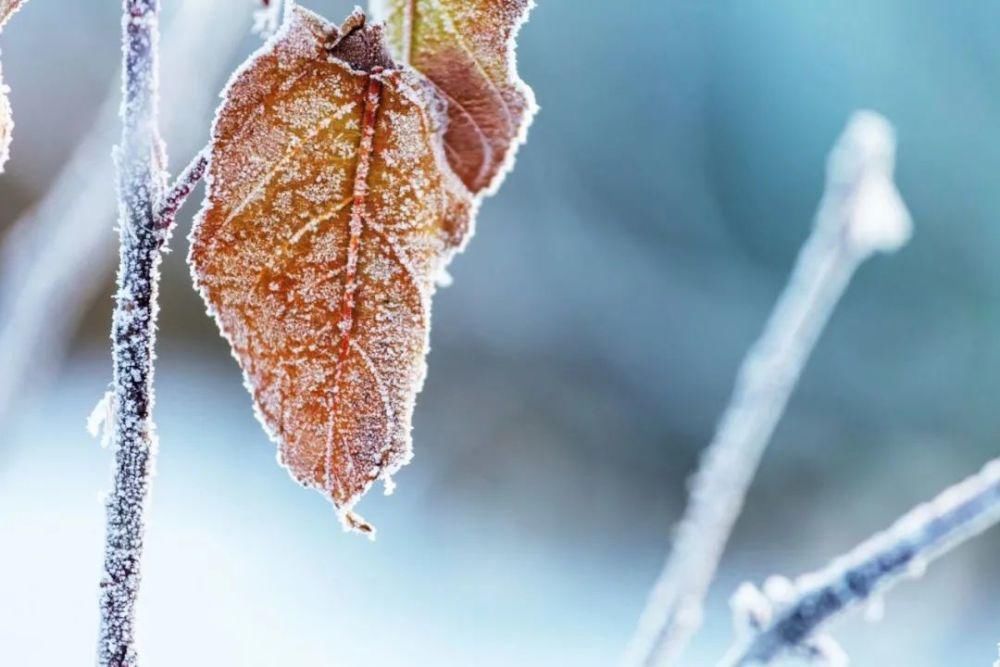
x=140, y=186
x=861, y=213
x=788, y=623
x=56, y=257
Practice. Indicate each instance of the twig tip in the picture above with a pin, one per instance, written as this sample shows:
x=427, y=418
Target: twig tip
x=861, y=167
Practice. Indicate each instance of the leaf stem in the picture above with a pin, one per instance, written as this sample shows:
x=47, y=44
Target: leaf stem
x=861, y=212
x=178, y=193
x=919, y=536
x=140, y=184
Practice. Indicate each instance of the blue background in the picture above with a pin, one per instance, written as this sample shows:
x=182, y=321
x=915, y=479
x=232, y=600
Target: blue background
x=579, y=361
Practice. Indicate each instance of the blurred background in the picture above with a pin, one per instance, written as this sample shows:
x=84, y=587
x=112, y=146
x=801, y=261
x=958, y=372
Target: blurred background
x=579, y=361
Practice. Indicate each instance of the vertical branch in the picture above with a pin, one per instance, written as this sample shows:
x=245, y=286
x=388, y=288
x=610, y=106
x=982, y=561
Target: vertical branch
x=54, y=259
x=919, y=536
x=861, y=212
x=140, y=184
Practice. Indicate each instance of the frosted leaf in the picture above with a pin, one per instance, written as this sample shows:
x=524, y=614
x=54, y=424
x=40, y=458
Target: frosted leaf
x=329, y=211
x=6, y=122
x=7, y=9
x=443, y=278
x=467, y=49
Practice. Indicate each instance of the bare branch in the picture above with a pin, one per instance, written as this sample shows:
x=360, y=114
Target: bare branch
x=54, y=260
x=861, y=213
x=178, y=193
x=140, y=185
x=904, y=550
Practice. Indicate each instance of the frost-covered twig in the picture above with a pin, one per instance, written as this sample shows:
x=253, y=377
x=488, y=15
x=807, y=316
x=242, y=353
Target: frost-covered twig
x=54, y=260
x=140, y=187
x=926, y=532
x=861, y=213
x=178, y=193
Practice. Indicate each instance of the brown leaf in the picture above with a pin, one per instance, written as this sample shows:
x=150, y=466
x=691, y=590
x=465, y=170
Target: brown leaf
x=7, y=9
x=6, y=123
x=466, y=47
x=330, y=211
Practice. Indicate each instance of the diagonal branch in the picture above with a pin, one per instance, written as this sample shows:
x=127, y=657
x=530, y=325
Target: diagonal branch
x=178, y=193
x=918, y=537
x=861, y=213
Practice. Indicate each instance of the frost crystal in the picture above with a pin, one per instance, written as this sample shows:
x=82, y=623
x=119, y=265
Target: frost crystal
x=267, y=18
x=99, y=423
x=467, y=50
x=751, y=609
x=875, y=609
x=7, y=9
x=860, y=180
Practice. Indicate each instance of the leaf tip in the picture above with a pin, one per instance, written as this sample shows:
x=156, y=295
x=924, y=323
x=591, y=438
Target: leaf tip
x=354, y=523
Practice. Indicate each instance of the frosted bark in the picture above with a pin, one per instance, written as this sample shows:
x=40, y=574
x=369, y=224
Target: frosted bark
x=140, y=187
x=861, y=212
x=187, y=181
x=54, y=260
x=787, y=621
